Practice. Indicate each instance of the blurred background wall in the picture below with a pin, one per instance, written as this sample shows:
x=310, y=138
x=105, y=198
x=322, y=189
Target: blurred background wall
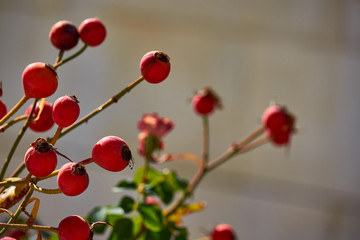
x=301, y=53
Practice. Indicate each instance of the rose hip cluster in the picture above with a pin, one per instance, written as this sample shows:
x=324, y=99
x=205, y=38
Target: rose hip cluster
x=40, y=80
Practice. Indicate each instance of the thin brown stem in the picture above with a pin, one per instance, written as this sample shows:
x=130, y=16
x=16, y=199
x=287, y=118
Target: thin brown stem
x=112, y=100
x=45, y=190
x=16, y=143
x=29, y=227
x=56, y=135
x=12, y=122
x=60, y=62
x=14, y=110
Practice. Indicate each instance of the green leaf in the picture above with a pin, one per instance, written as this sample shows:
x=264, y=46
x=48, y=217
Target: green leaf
x=53, y=237
x=164, y=191
x=124, y=185
x=114, y=214
x=176, y=181
x=152, y=216
x=98, y=214
x=127, y=203
x=123, y=229
x=164, y=234
x=151, y=175
x=104, y=214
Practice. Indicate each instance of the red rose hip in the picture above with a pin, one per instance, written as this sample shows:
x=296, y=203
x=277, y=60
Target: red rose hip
x=40, y=159
x=72, y=179
x=39, y=80
x=155, y=66
x=45, y=121
x=74, y=228
x=92, y=31
x=64, y=35
x=205, y=101
x=111, y=153
x=278, y=123
x=65, y=111
x=223, y=232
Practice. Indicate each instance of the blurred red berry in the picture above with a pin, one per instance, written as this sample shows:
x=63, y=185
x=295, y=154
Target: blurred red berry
x=3, y=109
x=150, y=200
x=39, y=80
x=92, y=31
x=74, y=228
x=155, y=66
x=64, y=35
x=40, y=159
x=65, y=110
x=223, y=232
x=205, y=101
x=13, y=233
x=45, y=121
x=279, y=124
x=111, y=153
x=72, y=179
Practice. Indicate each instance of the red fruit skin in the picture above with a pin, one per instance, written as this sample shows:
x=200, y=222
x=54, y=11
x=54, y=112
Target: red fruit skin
x=3, y=109
x=203, y=104
x=223, y=232
x=155, y=66
x=45, y=121
x=39, y=80
x=73, y=228
x=65, y=111
x=92, y=31
x=64, y=35
x=111, y=153
x=8, y=238
x=275, y=118
x=72, y=179
x=40, y=164
x=278, y=124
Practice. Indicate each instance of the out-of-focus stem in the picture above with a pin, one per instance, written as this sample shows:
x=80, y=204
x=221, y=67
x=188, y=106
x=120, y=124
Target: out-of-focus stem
x=206, y=139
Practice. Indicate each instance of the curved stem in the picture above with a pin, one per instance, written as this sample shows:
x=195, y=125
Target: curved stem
x=44, y=190
x=14, y=109
x=59, y=57
x=187, y=156
x=19, y=209
x=12, y=122
x=59, y=63
x=56, y=136
x=16, y=143
x=112, y=100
